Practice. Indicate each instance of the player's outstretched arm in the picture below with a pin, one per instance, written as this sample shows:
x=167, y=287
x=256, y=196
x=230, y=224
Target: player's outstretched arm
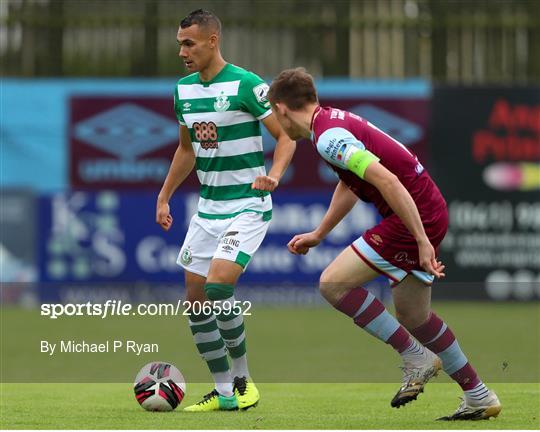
x=342, y=202
x=401, y=202
x=181, y=165
x=283, y=154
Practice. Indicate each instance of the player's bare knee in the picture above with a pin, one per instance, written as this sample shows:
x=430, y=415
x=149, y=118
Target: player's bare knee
x=409, y=313
x=195, y=295
x=195, y=287
x=325, y=291
x=224, y=272
x=218, y=275
x=329, y=286
x=410, y=318
x=418, y=318
x=402, y=318
x=325, y=281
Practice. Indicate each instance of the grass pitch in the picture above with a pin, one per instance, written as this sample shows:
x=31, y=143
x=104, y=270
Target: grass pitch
x=297, y=357
x=283, y=406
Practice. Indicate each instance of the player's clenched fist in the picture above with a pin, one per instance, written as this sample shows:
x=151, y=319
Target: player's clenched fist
x=163, y=215
x=265, y=183
x=301, y=243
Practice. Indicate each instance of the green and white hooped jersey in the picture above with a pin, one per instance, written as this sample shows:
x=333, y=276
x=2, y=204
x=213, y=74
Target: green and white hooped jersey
x=223, y=116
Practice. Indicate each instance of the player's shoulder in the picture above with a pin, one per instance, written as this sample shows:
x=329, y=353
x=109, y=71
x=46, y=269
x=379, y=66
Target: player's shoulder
x=333, y=137
x=251, y=84
x=332, y=113
x=189, y=79
x=333, y=125
x=243, y=74
x=330, y=117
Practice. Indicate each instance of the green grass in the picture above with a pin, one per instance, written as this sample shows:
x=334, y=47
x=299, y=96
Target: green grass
x=283, y=406
x=502, y=340
x=285, y=345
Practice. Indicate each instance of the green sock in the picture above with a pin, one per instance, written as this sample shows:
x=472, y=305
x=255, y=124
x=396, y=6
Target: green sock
x=212, y=349
x=231, y=326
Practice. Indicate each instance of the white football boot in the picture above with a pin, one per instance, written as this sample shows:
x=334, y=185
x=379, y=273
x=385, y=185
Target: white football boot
x=417, y=371
x=482, y=409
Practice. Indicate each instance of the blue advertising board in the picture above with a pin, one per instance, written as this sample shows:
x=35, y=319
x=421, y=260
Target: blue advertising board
x=111, y=236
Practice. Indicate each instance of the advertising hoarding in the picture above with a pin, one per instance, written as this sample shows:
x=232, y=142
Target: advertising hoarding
x=486, y=163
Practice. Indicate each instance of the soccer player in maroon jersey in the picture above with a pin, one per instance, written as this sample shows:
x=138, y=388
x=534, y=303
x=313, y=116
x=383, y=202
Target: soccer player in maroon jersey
x=376, y=168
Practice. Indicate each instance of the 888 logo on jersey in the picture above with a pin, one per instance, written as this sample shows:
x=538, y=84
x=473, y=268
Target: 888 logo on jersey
x=206, y=134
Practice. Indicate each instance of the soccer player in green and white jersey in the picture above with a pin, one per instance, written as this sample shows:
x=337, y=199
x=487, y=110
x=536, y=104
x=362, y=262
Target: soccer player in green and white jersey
x=219, y=108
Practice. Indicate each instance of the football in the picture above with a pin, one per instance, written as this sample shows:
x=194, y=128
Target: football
x=159, y=386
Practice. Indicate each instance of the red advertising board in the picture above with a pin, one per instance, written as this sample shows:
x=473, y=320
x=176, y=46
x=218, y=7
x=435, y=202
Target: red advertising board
x=123, y=142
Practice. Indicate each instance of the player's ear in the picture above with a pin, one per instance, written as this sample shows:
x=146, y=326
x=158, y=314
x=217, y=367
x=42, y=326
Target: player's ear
x=213, y=40
x=280, y=108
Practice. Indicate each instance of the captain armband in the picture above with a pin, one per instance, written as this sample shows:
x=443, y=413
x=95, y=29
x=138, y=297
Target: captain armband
x=357, y=160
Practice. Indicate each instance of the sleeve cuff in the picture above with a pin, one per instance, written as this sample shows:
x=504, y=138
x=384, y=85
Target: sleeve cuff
x=264, y=115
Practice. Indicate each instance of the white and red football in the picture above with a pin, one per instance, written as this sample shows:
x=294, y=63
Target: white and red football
x=159, y=386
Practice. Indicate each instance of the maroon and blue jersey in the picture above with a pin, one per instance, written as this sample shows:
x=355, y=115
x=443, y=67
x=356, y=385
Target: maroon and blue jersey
x=338, y=134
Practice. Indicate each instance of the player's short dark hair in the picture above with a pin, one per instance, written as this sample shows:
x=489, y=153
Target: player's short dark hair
x=293, y=87
x=202, y=18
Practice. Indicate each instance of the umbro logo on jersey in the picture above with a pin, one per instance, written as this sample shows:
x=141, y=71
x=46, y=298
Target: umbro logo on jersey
x=187, y=106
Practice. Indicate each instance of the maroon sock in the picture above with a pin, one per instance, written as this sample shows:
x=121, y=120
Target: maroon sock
x=370, y=314
x=435, y=335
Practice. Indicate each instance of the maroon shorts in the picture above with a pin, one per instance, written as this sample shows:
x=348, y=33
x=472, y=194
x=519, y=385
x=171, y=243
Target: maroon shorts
x=390, y=249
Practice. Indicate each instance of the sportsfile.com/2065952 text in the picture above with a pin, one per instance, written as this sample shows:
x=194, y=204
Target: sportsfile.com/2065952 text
x=119, y=308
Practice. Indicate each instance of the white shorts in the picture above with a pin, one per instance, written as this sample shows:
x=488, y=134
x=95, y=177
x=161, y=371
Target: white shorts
x=235, y=239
